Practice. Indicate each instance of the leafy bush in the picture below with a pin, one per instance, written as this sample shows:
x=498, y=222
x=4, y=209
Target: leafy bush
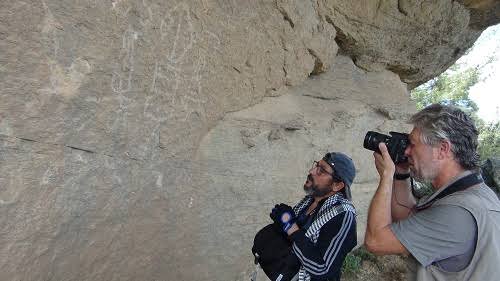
x=353, y=260
x=351, y=265
x=489, y=140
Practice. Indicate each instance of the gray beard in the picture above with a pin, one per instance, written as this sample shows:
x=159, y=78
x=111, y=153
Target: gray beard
x=425, y=176
x=420, y=179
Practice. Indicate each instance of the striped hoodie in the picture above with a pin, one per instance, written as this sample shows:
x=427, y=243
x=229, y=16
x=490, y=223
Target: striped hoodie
x=323, y=245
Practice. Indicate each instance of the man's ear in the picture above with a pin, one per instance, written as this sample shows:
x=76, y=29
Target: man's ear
x=444, y=149
x=337, y=186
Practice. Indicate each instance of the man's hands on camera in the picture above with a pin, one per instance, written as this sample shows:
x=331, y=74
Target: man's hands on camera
x=383, y=162
x=386, y=167
x=284, y=216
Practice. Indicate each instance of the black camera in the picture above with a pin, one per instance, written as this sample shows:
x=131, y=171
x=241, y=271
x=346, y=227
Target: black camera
x=396, y=144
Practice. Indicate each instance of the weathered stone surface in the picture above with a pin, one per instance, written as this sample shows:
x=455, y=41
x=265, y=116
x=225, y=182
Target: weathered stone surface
x=129, y=76
x=103, y=105
x=334, y=110
x=483, y=13
x=146, y=140
x=415, y=39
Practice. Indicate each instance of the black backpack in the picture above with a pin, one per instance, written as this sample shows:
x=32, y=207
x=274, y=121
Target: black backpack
x=273, y=252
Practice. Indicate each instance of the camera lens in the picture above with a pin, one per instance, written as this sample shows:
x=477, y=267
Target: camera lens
x=372, y=139
x=396, y=144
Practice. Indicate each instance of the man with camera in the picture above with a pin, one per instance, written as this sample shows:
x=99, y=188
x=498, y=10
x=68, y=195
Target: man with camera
x=322, y=226
x=451, y=233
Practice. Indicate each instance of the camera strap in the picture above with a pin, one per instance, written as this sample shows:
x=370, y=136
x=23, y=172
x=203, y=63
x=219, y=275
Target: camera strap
x=459, y=185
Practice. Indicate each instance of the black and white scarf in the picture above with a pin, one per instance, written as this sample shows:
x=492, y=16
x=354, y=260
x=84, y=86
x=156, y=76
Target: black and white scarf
x=333, y=206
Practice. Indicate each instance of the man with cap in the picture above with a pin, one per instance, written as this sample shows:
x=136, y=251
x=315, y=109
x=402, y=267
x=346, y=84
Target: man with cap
x=322, y=226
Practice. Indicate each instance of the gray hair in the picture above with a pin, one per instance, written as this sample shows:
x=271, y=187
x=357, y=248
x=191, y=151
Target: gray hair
x=443, y=122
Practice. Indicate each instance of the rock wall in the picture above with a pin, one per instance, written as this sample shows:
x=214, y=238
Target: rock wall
x=259, y=157
x=146, y=140
x=416, y=39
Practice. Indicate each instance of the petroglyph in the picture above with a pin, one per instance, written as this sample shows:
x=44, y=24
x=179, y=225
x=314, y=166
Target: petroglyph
x=228, y=5
x=63, y=80
x=9, y=192
x=113, y=3
x=121, y=81
x=159, y=178
x=176, y=88
x=50, y=27
x=66, y=81
x=179, y=23
x=149, y=11
x=49, y=176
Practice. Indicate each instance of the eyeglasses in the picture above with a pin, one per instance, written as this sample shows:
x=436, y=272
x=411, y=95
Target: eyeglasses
x=323, y=171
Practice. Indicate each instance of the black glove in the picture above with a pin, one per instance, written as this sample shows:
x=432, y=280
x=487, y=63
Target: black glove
x=284, y=216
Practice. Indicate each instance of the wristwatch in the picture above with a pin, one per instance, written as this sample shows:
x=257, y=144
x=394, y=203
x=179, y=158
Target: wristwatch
x=401, y=176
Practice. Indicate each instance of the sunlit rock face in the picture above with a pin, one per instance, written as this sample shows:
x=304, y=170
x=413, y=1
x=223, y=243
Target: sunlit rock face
x=415, y=39
x=258, y=157
x=147, y=140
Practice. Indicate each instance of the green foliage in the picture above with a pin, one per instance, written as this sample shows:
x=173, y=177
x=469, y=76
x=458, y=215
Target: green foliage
x=351, y=265
x=452, y=88
x=363, y=253
x=353, y=260
x=489, y=140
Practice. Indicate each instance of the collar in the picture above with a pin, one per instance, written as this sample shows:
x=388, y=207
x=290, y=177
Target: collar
x=458, y=183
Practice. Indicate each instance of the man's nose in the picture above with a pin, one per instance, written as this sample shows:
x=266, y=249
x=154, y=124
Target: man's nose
x=407, y=151
x=312, y=171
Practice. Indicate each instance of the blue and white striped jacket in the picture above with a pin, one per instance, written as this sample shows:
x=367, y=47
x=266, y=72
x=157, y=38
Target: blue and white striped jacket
x=321, y=253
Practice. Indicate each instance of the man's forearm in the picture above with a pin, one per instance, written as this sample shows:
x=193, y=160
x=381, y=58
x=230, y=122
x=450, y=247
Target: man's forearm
x=402, y=200
x=379, y=238
x=379, y=213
